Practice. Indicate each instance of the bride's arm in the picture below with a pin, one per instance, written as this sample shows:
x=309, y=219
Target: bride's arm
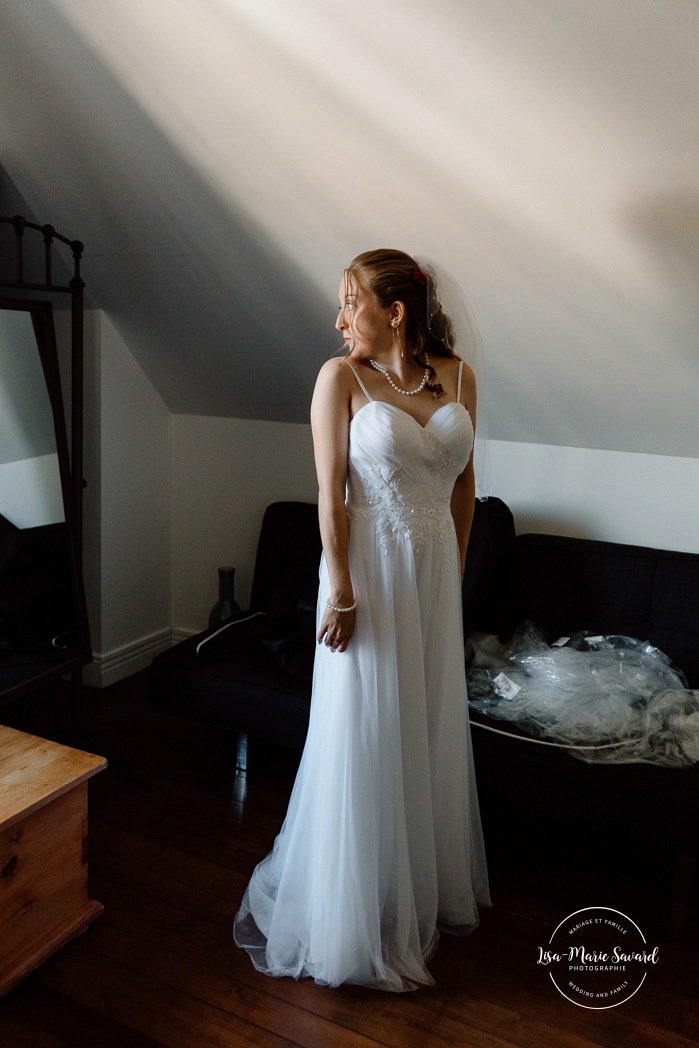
x=463, y=501
x=463, y=498
x=330, y=419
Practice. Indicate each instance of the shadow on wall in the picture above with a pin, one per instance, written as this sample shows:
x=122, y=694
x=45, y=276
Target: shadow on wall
x=570, y=525
x=669, y=224
x=219, y=319
x=515, y=191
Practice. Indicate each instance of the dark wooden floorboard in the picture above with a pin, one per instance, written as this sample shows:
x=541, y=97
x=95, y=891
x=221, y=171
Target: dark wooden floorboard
x=172, y=845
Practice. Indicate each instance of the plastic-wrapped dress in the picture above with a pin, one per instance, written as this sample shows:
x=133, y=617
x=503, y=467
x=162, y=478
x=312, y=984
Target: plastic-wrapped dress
x=382, y=838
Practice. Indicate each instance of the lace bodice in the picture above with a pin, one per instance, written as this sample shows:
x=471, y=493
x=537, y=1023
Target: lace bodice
x=401, y=474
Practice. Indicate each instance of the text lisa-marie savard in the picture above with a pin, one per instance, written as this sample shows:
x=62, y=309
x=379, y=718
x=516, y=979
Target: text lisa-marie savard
x=615, y=960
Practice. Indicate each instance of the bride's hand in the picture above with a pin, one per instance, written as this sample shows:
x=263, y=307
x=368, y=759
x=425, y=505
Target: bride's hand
x=336, y=629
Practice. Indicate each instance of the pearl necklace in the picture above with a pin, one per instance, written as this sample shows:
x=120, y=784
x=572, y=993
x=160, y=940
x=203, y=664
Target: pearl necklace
x=405, y=392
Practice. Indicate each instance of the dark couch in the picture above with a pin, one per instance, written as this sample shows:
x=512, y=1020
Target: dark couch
x=253, y=675
x=565, y=585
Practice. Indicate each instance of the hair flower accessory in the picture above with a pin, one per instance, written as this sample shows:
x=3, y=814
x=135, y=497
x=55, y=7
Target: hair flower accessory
x=419, y=277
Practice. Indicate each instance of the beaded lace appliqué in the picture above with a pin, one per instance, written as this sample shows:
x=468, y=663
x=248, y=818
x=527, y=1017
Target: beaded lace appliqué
x=401, y=507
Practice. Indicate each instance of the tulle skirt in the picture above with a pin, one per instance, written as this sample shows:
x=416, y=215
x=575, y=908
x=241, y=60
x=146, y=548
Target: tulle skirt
x=382, y=838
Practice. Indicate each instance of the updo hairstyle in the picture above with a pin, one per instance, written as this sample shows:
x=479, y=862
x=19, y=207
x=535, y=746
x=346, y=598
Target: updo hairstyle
x=393, y=276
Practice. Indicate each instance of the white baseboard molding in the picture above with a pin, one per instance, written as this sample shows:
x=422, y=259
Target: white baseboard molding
x=108, y=668
x=178, y=634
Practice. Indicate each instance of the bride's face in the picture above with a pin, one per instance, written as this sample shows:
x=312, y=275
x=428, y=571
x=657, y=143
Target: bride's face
x=362, y=322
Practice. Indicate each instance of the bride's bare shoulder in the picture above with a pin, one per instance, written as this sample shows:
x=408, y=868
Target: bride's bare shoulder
x=335, y=374
x=333, y=388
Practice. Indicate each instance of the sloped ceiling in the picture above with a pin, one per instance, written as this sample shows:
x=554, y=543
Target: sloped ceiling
x=222, y=160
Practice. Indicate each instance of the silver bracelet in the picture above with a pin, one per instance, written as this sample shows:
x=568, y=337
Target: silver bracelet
x=334, y=607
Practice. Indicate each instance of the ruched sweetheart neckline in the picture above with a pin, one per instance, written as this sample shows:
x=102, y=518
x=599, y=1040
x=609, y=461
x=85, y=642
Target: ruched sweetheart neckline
x=402, y=411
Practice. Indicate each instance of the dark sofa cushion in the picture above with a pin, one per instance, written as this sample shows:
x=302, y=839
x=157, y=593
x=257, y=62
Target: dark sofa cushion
x=674, y=618
x=288, y=554
x=260, y=700
x=259, y=639
x=567, y=584
x=489, y=562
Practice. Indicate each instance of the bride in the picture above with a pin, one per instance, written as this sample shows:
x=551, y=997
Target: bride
x=382, y=840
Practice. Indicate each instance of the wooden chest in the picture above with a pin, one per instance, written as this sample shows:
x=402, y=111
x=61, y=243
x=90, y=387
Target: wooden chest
x=43, y=850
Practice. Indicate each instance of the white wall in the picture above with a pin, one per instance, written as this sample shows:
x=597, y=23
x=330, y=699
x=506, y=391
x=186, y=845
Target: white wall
x=645, y=500
x=127, y=508
x=225, y=472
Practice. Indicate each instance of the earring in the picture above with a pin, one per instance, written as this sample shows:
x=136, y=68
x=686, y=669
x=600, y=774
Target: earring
x=396, y=335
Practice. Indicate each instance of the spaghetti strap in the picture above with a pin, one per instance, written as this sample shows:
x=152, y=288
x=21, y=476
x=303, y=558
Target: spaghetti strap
x=458, y=388
x=364, y=389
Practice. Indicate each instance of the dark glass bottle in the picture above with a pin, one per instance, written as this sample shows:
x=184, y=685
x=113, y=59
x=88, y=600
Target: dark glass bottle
x=225, y=607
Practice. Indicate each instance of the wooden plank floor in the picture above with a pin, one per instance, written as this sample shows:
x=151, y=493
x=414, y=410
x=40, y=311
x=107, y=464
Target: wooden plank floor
x=170, y=857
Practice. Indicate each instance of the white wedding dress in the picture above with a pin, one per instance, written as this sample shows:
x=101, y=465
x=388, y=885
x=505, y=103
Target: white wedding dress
x=382, y=837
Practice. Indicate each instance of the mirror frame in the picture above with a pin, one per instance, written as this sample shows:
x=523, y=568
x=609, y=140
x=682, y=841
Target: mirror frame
x=22, y=296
